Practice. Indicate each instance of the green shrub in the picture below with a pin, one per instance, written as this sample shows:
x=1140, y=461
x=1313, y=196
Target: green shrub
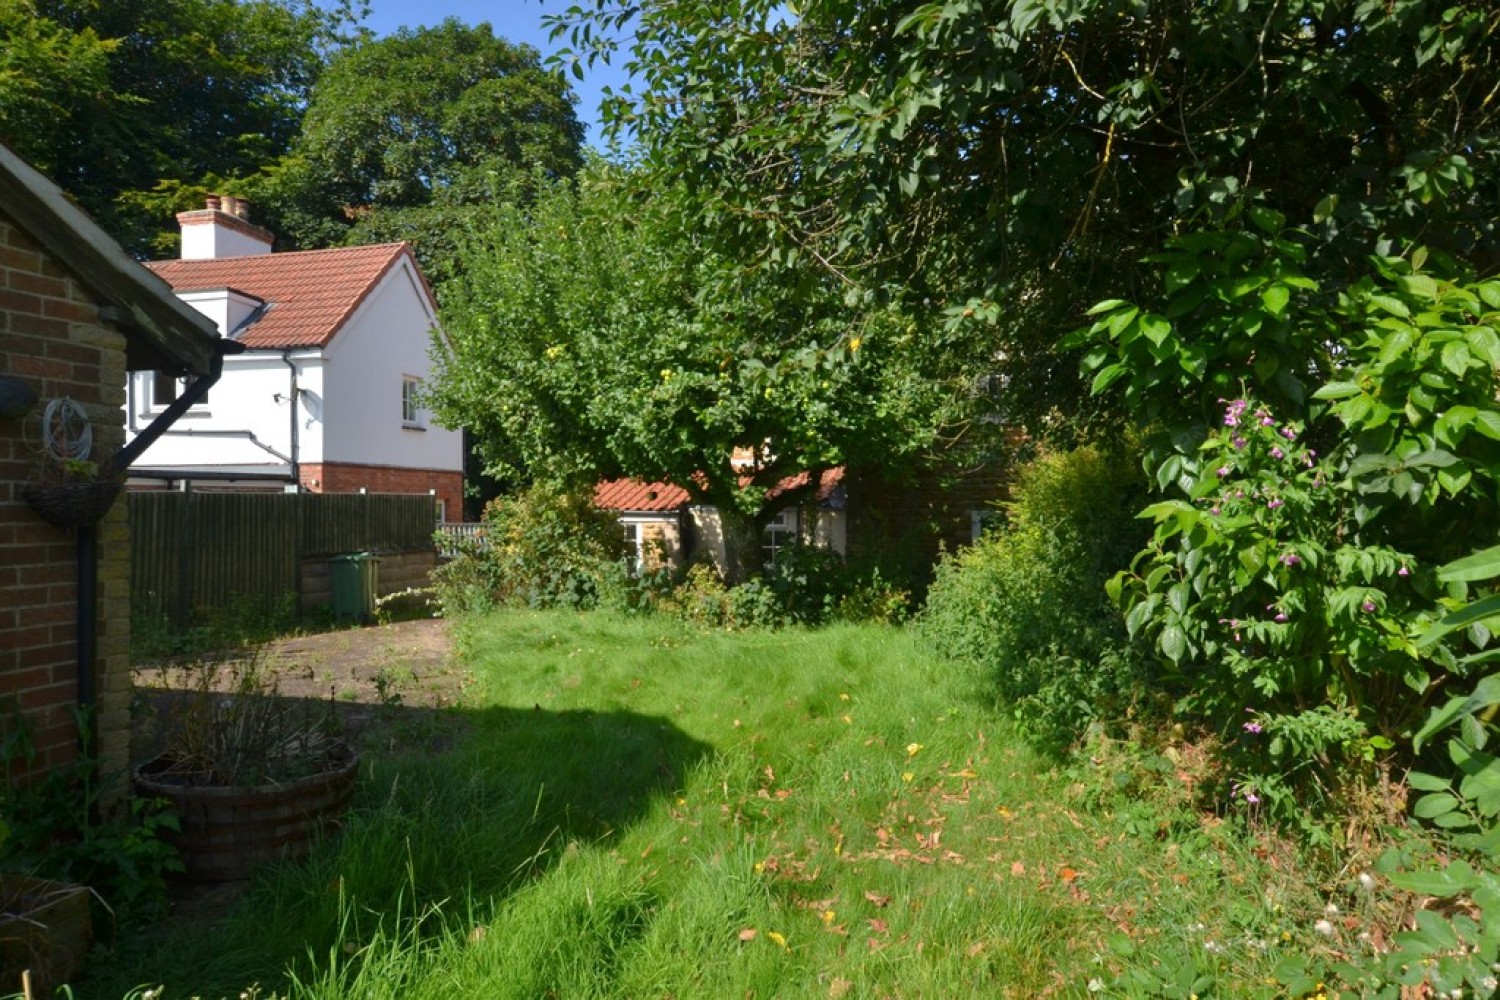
x=1027, y=602
x=808, y=585
x=243, y=620
x=544, y=547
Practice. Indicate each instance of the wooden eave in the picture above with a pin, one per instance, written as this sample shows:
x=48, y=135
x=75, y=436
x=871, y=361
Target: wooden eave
x=161, y=332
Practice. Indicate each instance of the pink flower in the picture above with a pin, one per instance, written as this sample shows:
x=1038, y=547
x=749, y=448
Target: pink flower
x=1252, y=798
x=1403, y=571
x=1252, y=727
x=1223, y=471
x=1281, y=616
x=1290, y=559
x=1239, y=444
x=1368, y=606
x=1274, y=503
x=1289, y=434
x=1277, y=453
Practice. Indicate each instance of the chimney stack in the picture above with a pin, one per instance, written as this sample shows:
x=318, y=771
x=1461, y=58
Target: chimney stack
x=222, y=228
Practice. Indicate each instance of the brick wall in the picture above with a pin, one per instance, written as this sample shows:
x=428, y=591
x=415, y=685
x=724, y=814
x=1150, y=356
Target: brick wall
x=51, y=336
x=342, y=477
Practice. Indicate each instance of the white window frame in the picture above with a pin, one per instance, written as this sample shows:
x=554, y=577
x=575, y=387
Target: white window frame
x=781, y=532
x=413, y=417
x=156, y=379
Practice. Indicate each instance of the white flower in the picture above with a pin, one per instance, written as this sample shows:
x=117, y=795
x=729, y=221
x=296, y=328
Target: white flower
x=1367, y=881
x=1096, y=986
x=1331, y=910
x=1324, y=928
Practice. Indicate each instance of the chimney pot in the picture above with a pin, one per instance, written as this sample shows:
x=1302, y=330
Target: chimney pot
x=213, y=201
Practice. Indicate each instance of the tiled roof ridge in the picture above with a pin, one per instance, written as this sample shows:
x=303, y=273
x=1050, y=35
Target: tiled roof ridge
x=289, y=278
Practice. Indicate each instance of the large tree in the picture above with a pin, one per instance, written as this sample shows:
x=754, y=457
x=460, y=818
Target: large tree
x=123, y=102
x=404, y=134
x=596, y=334
x=1009, y=162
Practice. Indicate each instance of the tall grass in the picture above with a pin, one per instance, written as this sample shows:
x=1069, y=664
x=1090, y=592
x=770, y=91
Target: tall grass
x=637, y=809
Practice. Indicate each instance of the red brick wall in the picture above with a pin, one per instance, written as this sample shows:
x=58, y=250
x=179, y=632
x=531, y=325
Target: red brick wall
x=341, y=477
x=51, y=337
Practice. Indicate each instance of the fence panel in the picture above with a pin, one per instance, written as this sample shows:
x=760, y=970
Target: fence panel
x=199, y=550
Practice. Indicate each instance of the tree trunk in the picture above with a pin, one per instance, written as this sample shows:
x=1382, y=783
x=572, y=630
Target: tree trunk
x=742, y=543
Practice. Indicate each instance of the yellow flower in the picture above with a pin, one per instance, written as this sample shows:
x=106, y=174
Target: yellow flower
x=854, y=343
x=778, y=937
x=843, y=697
x=666, y=374
x=828, y=916
x=907, y=776
x=912, y=749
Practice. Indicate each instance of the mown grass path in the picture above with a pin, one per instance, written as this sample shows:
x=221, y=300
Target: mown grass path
x=641, y=810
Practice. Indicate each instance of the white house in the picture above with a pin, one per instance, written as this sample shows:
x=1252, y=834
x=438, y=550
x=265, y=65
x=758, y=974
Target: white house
x=325, y=396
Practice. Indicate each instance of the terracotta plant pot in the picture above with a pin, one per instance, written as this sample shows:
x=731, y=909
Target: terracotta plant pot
x=45, y=928
x=230, y=831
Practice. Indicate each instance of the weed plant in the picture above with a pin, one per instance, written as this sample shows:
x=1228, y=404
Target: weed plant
x=643, y=809
x=1027, y=604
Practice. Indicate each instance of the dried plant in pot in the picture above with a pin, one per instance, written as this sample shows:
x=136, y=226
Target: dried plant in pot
x=253, y=777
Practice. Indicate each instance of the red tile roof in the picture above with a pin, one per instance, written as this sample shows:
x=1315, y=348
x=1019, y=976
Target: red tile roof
x=309, y=294
x=632, y=494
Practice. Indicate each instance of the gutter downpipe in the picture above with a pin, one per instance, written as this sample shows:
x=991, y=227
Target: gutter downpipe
x=286, y=359
x=88, y=535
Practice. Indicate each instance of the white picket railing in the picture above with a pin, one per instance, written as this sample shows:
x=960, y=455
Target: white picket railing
x=451, y=535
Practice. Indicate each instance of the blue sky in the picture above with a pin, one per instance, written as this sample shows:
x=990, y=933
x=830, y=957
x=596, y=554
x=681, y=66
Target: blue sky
x=516, y=20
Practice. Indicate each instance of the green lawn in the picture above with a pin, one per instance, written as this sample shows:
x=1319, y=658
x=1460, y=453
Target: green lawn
x=637, y=809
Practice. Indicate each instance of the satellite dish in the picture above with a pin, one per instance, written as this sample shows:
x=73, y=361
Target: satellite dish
x=67, y=434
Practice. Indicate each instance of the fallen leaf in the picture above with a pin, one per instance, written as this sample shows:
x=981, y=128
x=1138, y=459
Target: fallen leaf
x=974, y=949
x=477, y=934
x=748, y=934
x=880, y=901
x=1017, y=868
x=879, y=926
x=1067, y=874
x=839, y=988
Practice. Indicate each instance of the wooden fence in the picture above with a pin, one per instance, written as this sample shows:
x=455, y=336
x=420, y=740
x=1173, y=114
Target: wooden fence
x=200, y=550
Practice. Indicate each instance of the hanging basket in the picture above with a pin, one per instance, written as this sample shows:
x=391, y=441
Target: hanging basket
x=228, y=831
x=72, y=505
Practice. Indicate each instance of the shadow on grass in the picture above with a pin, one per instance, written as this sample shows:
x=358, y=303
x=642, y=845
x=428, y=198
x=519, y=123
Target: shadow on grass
x=436, y=840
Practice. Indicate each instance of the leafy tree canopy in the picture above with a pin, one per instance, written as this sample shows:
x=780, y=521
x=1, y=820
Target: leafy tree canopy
x=124, y=101
x=1009, y=162
x=595, y=334
x=403, y=133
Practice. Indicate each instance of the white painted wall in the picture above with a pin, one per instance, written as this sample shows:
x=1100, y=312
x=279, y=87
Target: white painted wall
x=349, y=404
x=214, y=236
x=385, y=341
x=252, y=398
